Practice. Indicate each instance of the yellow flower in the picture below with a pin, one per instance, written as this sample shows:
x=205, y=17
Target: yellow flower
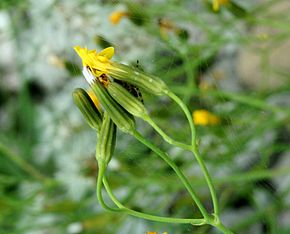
x=217, y=3
x=97, y=66
x=116, y=16
x=98, y=63
x=204, y=117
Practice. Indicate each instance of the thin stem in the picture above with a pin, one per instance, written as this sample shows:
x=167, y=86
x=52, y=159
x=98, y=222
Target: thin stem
x=181, y=176
x=187, y=114
x=222, y=228
x=148, y=216
x=195, y=151
x=165, y=136
x=21, y=163
x=208, y=180
x=101, y=173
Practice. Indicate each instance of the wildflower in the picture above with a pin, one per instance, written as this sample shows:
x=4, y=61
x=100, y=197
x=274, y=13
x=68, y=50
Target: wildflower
x=116, y=16
x=217, y=3
x=102, y=69
x=204, y=117
x=98, y=63
x=120, y=117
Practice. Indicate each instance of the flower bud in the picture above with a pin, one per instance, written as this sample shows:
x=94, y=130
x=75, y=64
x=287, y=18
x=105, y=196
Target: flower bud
x=126, y=100
x=106, y=141
x=88, y=108
x=151, y=84
x=124, y=121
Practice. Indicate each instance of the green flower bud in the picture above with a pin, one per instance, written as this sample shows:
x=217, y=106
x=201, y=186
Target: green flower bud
x=88, y=108
x=124, y=121
x=151, y=84
x=106, y=141
x=126, y=100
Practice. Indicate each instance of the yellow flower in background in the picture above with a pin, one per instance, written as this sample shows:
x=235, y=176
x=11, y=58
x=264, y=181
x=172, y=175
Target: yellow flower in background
x=99, y=63
x=116, y=16
x=217, y=3
x=204, y=117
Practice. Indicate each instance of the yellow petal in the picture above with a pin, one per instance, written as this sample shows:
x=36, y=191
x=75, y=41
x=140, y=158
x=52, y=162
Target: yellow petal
x=87, y=56
x=78, y=49
x=108, y=52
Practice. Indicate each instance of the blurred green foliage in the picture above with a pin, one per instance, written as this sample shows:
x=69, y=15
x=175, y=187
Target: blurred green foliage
x=230, y=62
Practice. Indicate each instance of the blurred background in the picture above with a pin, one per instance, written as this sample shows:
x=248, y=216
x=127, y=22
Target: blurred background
x=228, y=60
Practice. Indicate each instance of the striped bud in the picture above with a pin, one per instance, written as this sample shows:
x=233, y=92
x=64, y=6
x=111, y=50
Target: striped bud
x=106, y=141
x=127, y=100
x=151, y=84
x=124, y=121
x=88, y=108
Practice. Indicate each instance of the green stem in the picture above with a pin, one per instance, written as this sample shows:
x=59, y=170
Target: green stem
x=208, y=180
x=187, y=114
x=222, y=228
x=164, y=135
x=101, y=173
x=195, y=151
x=181, y=176
x=21, y=163
x=148, y=216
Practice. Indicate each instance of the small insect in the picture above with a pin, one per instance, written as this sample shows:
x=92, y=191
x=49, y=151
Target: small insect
x=132, y=89
x=104, y=79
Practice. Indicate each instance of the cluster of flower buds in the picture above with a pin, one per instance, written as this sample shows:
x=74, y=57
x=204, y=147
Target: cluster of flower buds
x=116, y=87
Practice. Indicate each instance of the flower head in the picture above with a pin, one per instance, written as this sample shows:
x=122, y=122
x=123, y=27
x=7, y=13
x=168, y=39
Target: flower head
x=204, y=117
x=97, y=66
x=116, y=16
x=98, y=63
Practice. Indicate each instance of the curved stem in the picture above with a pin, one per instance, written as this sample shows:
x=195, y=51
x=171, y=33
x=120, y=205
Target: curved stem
x=148, y=216
x=164, y=135
x=181, y=176
x=101, y=173
x=195, y=151
x=208, y=180
x=187, y=114
x=122, y=208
